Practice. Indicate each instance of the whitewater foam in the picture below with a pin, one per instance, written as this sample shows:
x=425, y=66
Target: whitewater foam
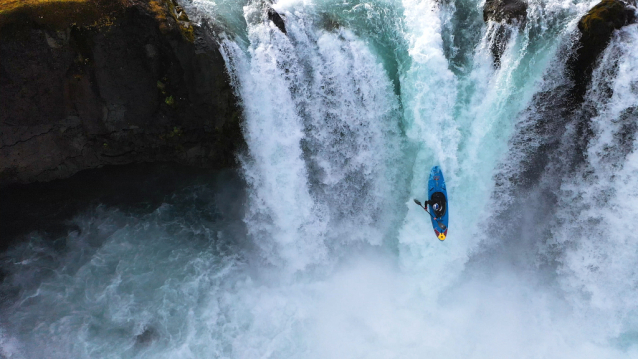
x=344, y=116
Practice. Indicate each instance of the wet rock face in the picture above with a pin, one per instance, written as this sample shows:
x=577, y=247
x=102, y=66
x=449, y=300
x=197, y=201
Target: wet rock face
x=556, y=128
x=276, y=19
x=498, y=37
x=508, y=11
x=596, y=29
x=508, y=14
x=138, y=85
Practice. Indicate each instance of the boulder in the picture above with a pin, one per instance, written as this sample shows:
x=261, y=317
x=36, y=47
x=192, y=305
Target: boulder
x=498, y=37
x=507, y=14
x=508, y=11
x=596, y=29
x=276, y=19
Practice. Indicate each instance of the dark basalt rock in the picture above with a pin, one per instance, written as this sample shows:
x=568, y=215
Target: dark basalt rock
x=147, y=337
x=276, y=19
x=507, y=13
x=596, y=29
x=498, y=38
x=139, y=84
x=556, y=131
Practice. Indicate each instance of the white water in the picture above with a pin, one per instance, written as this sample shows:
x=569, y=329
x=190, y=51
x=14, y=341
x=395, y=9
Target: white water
x=344, y=117
x=598, y=268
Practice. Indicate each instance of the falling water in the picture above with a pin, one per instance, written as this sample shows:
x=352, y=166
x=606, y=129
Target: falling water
x=320, y=252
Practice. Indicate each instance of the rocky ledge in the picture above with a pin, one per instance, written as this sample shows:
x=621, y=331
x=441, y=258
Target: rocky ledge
x=508, y=11
x=88, y=83
x=596, y=29
x=507, y=16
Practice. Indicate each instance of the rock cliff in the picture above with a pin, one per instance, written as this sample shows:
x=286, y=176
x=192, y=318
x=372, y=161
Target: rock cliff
x=507, y=15
x=100, y=82
x=596, y=29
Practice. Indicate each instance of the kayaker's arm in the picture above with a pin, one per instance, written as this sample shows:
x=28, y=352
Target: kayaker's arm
x=426, y=210
x=424, y=205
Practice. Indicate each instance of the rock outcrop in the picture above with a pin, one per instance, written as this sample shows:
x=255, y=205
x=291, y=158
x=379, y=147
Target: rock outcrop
x=508, y=14
x=508, y=11
x=596, y=29
x=102, y=82
x=558, y=122
x=276, y=19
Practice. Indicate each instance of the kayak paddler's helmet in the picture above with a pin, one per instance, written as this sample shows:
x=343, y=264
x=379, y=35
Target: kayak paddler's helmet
x=436, y=207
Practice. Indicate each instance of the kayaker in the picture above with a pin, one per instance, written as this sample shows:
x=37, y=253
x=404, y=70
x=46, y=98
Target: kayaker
x=438, y=209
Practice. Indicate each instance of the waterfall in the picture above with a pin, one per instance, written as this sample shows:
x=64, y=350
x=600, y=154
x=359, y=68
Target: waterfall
x=314, y=248
x=594, y=235
x=322, y=126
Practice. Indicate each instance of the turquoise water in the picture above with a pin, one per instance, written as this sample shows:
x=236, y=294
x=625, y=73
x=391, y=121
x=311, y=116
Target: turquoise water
x=326, y=256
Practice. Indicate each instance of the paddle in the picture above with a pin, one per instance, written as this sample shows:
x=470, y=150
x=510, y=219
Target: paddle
x=422, y=206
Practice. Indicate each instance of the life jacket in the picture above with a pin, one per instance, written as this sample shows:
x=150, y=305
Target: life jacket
x=438, y=198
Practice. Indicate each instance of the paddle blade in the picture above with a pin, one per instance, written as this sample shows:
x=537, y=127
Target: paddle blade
x=417, y=201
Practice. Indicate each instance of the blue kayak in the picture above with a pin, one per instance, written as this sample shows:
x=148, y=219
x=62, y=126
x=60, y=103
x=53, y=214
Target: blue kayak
x=438, y=194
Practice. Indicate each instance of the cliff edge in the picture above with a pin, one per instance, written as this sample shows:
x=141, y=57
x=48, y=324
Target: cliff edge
x=87, y=83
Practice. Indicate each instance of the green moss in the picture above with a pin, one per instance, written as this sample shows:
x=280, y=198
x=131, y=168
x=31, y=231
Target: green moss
x=60, y=14
x=173, y=136
x=606, y=11
x=187, y=30
x=170, y=101
x=165, y=8
x=12, y=5
x=177, y=131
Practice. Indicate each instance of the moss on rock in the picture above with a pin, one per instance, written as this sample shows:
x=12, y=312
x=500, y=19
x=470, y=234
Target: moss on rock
x=605, y=17
x=596, y=29
x=60, y=14
x=168, y=12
